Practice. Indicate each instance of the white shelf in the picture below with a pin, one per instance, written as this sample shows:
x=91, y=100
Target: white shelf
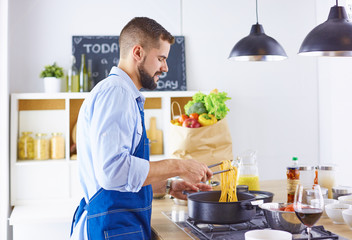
x=35, y=181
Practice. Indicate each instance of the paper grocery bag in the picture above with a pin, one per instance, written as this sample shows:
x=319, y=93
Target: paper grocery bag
x=210, y=144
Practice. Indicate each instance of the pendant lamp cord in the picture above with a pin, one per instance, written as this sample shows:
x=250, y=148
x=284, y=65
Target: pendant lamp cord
x=256, y=9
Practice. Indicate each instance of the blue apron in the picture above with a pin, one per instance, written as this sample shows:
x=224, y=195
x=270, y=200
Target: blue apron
x=117, y=215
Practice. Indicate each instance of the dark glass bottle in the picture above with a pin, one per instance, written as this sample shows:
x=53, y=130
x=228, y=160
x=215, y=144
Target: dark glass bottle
x=90, y=74
x=83, y=75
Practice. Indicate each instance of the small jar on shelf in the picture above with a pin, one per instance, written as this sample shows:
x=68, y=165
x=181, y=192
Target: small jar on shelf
x=26, y=146
x=57, y=146
x=41, y=147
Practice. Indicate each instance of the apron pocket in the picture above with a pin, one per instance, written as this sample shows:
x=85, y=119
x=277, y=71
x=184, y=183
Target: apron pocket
x=125, y=233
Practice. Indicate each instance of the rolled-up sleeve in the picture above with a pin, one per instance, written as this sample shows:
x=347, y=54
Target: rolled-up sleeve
x=115, y=132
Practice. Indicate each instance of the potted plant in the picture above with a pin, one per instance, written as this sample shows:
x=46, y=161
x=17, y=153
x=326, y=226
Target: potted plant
x=52, y=77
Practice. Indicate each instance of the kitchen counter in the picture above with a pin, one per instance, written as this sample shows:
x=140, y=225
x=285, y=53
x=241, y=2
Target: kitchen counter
x=165, y=229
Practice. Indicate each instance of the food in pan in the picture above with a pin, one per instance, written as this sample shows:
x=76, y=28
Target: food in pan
x=228, y=182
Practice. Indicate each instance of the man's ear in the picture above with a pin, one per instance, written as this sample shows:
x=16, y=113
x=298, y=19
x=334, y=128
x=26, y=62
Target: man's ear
x=138, y=53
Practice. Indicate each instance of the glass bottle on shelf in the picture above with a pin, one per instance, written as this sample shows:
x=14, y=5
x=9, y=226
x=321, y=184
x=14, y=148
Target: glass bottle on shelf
x=248, y=171
x=26, y=146
x=57, y=146
x=292, y=179
x=83, y=75
x=41, y=147
x=72, y=77
x=90, y=74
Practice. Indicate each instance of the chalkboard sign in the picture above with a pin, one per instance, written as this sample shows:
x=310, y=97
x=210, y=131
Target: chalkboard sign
x=104, y=52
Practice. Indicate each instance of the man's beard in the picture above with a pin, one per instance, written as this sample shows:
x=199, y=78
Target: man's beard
x=147, y=81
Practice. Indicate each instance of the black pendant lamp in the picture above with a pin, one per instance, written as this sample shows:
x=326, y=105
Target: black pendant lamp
x=257, y=46
x=331, y=38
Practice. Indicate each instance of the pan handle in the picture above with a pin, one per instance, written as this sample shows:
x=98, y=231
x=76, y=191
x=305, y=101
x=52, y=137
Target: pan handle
x=249, y=205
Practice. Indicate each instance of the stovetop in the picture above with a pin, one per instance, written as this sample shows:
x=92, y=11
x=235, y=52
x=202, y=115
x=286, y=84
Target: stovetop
x=201, y=231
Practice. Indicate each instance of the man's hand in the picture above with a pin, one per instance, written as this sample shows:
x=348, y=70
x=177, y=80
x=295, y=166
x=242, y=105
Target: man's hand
x=194, y=171
x=178, y=186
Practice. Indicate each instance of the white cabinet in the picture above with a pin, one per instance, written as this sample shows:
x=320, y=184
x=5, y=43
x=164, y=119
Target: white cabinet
x=51, y=182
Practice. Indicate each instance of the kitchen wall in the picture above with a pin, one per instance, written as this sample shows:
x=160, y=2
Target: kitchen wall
x=274, y=107
x=4, y=122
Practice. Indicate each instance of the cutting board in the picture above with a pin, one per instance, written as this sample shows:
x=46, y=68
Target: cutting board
x=155, y=137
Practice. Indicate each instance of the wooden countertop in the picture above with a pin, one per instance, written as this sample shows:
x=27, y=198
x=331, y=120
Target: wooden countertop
x=165, y=229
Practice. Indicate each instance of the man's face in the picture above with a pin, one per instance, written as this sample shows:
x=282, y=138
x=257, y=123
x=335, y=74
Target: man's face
x=153, y=65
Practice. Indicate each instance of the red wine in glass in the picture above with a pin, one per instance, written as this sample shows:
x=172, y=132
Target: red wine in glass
x=308, y=212
x=309, y=216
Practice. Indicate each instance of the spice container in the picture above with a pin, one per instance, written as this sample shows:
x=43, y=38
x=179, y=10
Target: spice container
x=57, y=146
x=41, y=147
x=292, y=179
x=341, y=191
x=26, y=146
x=326, y=177
x=306, y=175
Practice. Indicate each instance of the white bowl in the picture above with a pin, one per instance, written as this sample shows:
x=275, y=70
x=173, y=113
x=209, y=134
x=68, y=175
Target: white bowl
x=267, y=234
x=326, y=202
x=345, y=199
x=334, y=212
x=347, y=216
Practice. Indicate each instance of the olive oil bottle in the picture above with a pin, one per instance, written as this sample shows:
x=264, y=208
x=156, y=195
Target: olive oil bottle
x=72, y=77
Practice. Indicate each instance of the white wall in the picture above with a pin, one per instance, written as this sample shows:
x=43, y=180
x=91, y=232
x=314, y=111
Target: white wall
x=274, y=105
x=4, y=122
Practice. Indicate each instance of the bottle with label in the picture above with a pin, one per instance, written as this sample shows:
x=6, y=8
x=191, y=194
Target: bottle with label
x=90, y=74
x=72, y=77
x=292, y=179
x=83, y=75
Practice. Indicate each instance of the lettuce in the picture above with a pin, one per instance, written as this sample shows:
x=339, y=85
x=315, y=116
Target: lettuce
x=215, y=104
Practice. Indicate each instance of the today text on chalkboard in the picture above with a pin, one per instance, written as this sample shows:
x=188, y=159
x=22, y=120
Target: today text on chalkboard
x=104, y=53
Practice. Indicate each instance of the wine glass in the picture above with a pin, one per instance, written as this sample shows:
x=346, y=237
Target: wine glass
x=307, y=211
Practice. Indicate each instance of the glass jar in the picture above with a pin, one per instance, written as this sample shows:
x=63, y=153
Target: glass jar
x=41, y=147
x=306, y=175
x=341, y=191
x=57, y=146
x=26, y=146
x=292, y=181
x=326, y=177
x=310, y=194
x=248, y=171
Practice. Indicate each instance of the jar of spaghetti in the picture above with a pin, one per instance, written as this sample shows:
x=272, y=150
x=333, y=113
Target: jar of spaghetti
x=57, y=146
x=26, y=146
x=292, y=181
x=41, y=147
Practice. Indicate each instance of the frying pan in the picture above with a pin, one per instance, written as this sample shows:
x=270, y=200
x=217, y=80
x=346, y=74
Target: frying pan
x=204, y=207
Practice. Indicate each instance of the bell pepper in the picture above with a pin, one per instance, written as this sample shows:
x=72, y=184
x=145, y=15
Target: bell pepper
x=176, y=122
x=206, y=119
x=194, y=115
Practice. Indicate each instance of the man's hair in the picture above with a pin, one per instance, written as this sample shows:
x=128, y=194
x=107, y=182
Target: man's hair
x=143, y=31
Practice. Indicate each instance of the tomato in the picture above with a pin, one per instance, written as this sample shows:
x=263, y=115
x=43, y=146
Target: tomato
x=194, y=115
x=191, y=123
x=182, y=118
x=289, y=208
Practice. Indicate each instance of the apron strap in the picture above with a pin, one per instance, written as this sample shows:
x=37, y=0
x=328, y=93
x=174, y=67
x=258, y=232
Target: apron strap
x=78, y=213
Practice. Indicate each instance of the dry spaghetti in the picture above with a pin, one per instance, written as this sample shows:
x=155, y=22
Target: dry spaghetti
x=228, y=182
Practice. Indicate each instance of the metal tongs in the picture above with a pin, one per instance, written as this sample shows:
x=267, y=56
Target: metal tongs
x=233, y=163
